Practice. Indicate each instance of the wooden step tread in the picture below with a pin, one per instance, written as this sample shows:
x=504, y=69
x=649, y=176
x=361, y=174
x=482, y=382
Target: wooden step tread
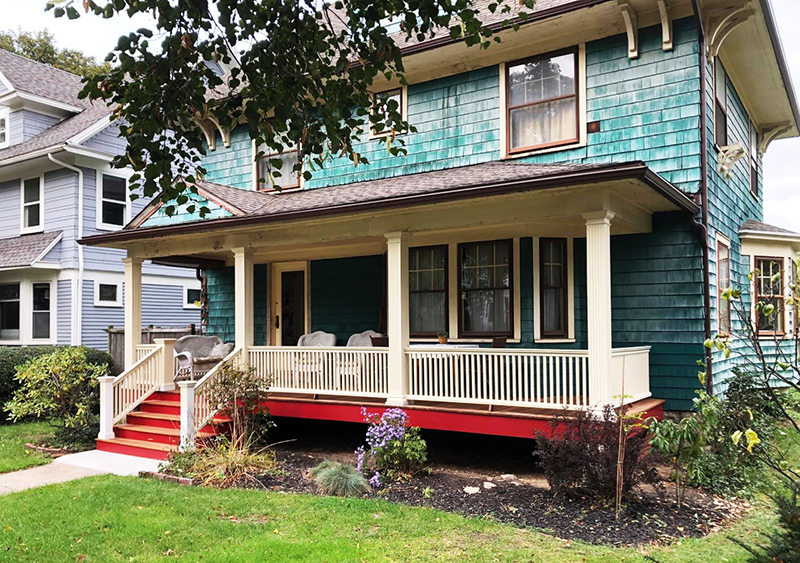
x=159, y=403
x=646, y=405
x=160, y=431
x=140, y=444
x=173, y=417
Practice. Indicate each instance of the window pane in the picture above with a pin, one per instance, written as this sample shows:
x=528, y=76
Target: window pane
x=553, y=311
x=114, y=213
x=41, y=325
x=720, y=126
x=720, y=83
x=724, y=260
x=107, y=292
x=193, y=296
x=288, y=176
x=41, y=297
x=2, y=131
x=114, y=188
x=32, y=215
x=9, y=292
x=486, y=311
x=544, y=123
x=32, y=190
x=9, y=311
x=427, y=312
x=386, y=101
x=428, y=292
x=541, y=79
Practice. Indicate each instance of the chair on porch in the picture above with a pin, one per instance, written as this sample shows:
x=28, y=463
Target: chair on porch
x=197, y=355
x=310, y=367
x=350, y=371
x=499, y=342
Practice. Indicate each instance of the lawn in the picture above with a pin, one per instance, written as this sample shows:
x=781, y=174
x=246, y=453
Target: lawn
x=127, y=519
x=13, y=455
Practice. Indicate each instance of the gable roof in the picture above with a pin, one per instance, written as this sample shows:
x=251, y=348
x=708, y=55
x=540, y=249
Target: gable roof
x=39, y=79
x=751, y=226
x=26, y=250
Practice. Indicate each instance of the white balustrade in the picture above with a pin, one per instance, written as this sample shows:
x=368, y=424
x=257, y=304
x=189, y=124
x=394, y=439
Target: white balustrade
x=630, y=375
x=515, y=377
x=134, y=385
x=199, y=411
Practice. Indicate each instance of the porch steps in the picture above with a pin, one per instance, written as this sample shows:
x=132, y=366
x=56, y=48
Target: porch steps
x=153, y=430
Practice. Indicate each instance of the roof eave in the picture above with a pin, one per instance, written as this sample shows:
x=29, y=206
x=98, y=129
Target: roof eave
x=780, y=57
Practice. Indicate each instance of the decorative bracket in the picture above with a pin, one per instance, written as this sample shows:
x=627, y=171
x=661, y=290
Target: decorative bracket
x=769, y=133
x=727, y=159
x=209, y=125
x=722, y=22
x=631, y=26
x=667, y=41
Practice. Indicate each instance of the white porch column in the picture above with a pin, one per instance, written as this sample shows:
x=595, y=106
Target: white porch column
x=187, y=415
x=243, y=284
x=106, y=408
x=167, y=367
x=133, y=308
x=397, y=316
x=598, y=285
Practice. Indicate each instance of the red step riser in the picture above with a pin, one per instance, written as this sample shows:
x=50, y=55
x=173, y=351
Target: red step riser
x=146, y=437
x=176, y=410
x=153, y=423
x=165, y=396
x=130, y=450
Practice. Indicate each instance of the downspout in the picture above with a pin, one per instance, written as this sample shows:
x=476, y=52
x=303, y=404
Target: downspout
x=702, y=224
x=77, y=288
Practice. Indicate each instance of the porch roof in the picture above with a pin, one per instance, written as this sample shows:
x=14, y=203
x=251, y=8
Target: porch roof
x=479, y=180
x=25, y=250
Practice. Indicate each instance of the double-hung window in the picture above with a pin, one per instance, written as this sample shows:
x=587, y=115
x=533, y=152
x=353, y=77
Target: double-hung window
x=113, y=202
x=4, y=133
x=9, y=311
x=485, y=288
x=770, y=291
x=553, y=287
x=723, y=283
x=281, y=167
x=753, y=159
x=428, y=298
x=720, y=104
x=32, y=200
x=41, y=311
x=383, y=103
x=542, y=101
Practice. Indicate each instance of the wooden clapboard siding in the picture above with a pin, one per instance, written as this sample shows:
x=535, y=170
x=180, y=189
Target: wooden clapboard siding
x=222, y=299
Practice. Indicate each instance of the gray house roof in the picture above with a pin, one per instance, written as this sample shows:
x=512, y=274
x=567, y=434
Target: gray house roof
x=25, y=250
x=42, y=80
x=751, y=226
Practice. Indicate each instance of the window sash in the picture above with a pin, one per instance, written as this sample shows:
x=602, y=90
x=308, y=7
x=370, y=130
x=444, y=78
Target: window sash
x=112, y=297
x=387, y=95
x=3, y=130
x=32, y=208
x=9, y=311
x=287, y=180
x=547, y=102
x=41, y=305
x=429, y=297
x=723, y=283
x=548, y=289
x=774, y=324
x=109, y=205
x=490, y=293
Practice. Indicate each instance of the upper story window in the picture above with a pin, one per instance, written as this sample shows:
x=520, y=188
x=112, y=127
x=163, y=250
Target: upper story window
x=385, y=102
x=720, y=104
x=192, y=298
x=9, y=311
x=485, y=288
x=553, y=287
x=769, y=291
x=280, y=166
x=428, y=298
x=113, y=212
x=542, y=101
x=723, y=283
x=4, y=126
x=753, y=159
x=32, y=202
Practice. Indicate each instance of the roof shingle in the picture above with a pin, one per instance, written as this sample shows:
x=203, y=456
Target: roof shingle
x=759, y=227
x=40, y=79
x=25, y=250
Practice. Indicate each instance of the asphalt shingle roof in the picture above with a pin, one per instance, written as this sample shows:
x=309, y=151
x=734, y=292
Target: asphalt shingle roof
x=41, y=79
x=758, y=226
x=24, y=250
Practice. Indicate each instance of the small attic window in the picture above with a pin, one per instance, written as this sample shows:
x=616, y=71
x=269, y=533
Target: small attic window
x=4, y=126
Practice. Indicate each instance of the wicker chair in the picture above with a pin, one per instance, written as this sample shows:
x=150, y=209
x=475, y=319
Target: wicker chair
x=197, y=355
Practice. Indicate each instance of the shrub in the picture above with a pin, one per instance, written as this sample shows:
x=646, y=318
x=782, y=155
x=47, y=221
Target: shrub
x=60, y=387
x=338, y=479
x=580, y=454
x=11, y=358
x=392, y=447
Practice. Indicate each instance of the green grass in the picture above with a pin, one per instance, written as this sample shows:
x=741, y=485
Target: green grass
x=126, y=519
x=13, y=455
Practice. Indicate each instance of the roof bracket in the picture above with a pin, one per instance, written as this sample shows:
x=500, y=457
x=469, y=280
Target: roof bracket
x=721, y=22
x=769, y=133
x=667, y=40
x=209, y=125
x=727, y=159
x=631, y=26
x=208, y=131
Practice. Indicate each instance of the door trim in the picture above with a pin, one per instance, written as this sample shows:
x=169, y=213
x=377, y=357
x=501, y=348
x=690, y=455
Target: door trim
x=275, y=296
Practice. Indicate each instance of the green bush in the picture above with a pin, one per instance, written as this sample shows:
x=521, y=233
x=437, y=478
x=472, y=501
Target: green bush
x=13, y=357
x=338, y=479
x=60, y=387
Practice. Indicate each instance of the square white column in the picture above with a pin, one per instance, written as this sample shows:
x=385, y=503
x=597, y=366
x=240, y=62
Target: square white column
x=397, y=316
x=133, y=308
x=243, y=287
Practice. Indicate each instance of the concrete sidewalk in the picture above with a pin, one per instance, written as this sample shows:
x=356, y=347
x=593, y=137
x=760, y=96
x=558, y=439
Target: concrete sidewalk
x=75, y=466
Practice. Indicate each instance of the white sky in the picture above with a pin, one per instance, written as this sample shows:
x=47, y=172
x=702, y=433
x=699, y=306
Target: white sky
x=95, y=36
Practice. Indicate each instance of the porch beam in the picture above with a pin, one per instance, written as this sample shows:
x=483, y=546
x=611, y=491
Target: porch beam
x=598, y=284
x=133, y=308
x=397, y=316
x=243, y=285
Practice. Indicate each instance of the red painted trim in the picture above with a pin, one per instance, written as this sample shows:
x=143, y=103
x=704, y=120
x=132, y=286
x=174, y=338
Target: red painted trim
x=131, y=450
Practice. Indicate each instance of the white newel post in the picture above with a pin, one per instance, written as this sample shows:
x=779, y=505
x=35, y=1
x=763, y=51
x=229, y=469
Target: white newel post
x=167, y=366
x=397, y=316
x=106, y=408
x=598, y=285
x=187, y=415
x=133, y=308
x=243, y=284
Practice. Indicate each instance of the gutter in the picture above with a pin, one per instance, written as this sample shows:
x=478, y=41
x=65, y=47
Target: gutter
x=77, y=286
x=702, y=225
x=610, y=173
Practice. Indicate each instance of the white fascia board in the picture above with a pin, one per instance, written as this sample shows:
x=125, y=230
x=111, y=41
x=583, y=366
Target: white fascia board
x=50, y=103
x=90, y=131
x=87, y=152
x=792, y=240
x=48, y=249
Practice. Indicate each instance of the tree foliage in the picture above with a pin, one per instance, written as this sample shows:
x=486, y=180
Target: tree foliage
x=40, y=46
x=299, y=74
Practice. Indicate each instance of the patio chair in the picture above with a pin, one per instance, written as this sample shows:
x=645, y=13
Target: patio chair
x=309, y=366
x=197, y=355
x=363, y=339
x=350, y=372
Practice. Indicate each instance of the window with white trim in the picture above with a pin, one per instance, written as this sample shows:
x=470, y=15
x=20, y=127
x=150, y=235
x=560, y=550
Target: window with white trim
x=9, y=311
x=769, y=293
x=41, y=311
x=276, y=170
x=553, y=287
x=486, y=296
x=5, y=139
x=383, y=103
x=427, y=289
x=720, y=104
x=32, y=199
x=192, y=297
x=107, y=294
x=113, y=213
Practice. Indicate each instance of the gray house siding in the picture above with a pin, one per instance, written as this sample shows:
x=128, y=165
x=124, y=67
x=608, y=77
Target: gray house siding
x=64, y=311
x=9, y=208
x=15, y=128
x=60, y=202
x=34, y=123
x=107, y=140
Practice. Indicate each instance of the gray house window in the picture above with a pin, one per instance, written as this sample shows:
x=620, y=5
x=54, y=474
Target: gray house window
x=3, y=129
x=9, y=311
x=41, y=311
x=32, y=205
x=113, y=201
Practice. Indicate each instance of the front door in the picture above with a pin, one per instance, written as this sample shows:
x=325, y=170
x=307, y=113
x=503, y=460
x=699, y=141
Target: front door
x=289, y=299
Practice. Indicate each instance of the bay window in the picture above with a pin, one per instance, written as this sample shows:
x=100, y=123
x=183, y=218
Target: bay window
x=769, y=291
x=41, y=311
x=428, y=300
x=9, y=311
x=485, y=288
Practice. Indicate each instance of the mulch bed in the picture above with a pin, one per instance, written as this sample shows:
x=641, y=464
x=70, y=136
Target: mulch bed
x=645, y=521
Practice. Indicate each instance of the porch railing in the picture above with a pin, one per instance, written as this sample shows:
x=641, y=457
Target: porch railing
x=203, y=411
x=523, y=377
x=630, y=374
x=362, y=372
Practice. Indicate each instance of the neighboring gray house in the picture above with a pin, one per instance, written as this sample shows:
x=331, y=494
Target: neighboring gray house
x=56, y=186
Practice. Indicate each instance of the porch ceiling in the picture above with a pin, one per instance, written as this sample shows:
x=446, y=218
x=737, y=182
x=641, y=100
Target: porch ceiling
x=501, y=199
